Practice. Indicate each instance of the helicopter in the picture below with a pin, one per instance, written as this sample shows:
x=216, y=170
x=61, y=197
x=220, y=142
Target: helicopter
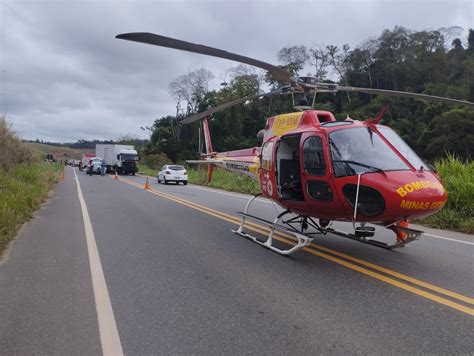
x=320, y=170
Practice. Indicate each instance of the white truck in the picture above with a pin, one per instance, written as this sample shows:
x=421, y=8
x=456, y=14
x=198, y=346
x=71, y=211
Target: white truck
x=118, y=158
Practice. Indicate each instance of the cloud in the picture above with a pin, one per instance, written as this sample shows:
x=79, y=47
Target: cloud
x=65, y=77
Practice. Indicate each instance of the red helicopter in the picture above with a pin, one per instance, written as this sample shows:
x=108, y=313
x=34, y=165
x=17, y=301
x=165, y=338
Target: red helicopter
x=319, y=169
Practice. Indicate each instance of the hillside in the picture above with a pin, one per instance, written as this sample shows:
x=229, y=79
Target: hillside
x=59, y=152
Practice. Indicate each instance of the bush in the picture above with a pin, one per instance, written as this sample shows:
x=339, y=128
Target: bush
x=13, y=150
x=156, y=161
x=458, y=179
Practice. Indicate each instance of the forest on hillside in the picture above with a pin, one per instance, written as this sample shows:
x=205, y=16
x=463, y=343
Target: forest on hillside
x=436, y=62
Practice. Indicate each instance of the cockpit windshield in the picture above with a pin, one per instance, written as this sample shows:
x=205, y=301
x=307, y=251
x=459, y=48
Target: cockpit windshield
x=404, y=149
x=361, y=150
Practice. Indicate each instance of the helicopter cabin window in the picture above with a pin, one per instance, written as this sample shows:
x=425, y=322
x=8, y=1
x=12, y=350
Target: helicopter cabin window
x=336, y=123
x=267, y=153
x=288, y=168
x=319, y=190
x=313, y=156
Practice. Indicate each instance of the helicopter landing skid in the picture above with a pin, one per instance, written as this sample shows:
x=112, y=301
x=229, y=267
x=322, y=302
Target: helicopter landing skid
x=302, y=239
x=411, y=235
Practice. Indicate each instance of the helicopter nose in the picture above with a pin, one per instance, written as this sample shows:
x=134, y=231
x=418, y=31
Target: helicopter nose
x=421, y=196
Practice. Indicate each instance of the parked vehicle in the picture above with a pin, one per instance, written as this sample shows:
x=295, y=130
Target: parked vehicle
x=50, y=158
x=172, y=173
x=94, y=165
x=86, y=157
x=118, y=158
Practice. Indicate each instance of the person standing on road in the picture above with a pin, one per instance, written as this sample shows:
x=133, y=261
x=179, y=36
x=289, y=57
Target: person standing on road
x=103, y=168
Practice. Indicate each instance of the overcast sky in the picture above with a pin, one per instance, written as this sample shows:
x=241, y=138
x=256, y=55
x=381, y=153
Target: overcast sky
x=64, y=77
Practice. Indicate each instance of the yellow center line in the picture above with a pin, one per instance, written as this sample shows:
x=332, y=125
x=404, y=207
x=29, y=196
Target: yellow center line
x=388, y=271
x=215, y=213
x=314, y=251
x=400, y=275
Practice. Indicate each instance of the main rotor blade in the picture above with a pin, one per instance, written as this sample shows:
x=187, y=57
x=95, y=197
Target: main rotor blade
x=404, y=94
x=202, y=115
x=158, y=40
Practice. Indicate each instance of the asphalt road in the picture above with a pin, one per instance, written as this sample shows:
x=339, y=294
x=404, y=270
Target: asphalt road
x=160, y=272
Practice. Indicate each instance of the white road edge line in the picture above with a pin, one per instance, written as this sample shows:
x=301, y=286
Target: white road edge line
x=447, y=238
x=241, y=196
x=109, y=336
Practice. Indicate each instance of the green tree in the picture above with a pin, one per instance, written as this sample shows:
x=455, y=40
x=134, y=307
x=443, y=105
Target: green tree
x=452, y=132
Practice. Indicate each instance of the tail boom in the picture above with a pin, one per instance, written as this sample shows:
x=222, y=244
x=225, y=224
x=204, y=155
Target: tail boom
x=244, y=161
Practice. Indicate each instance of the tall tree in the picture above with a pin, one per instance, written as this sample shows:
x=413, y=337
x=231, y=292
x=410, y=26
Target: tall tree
x=339, y=62
x=319, y=59
x=188, y=89
x=294, y=58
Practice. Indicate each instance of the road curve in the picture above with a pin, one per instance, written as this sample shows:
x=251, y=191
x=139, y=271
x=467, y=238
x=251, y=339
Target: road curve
x=179, y=281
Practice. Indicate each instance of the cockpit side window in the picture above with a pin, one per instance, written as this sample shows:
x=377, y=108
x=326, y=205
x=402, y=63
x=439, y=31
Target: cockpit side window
x=313, y=156
x=267, y=155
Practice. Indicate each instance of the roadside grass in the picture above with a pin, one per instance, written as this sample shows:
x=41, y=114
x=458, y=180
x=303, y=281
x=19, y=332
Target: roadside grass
x=224, y=180
x=142, y=168
x=23, y=188
x=24, y=182
x=221, y=179
x=458, y=179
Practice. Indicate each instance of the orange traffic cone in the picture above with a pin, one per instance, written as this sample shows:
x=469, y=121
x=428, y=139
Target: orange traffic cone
x=116, y=176
x=147, y=184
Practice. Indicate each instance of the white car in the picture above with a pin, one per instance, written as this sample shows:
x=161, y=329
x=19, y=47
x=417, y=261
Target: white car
x=172, y=173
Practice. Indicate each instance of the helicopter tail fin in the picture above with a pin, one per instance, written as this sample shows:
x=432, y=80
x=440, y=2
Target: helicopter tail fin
x=207, y=137
x=209, y=150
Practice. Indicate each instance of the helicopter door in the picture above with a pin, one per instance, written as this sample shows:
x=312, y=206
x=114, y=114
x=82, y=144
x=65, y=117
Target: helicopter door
x=288, y=169
x=316, y=183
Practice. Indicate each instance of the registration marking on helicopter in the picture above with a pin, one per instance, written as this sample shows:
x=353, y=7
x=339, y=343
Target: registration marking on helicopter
x=286, y=122
x=341, y=259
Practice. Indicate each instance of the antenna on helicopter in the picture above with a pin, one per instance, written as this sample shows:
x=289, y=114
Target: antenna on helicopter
x=303, y=101
x=303, y=104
